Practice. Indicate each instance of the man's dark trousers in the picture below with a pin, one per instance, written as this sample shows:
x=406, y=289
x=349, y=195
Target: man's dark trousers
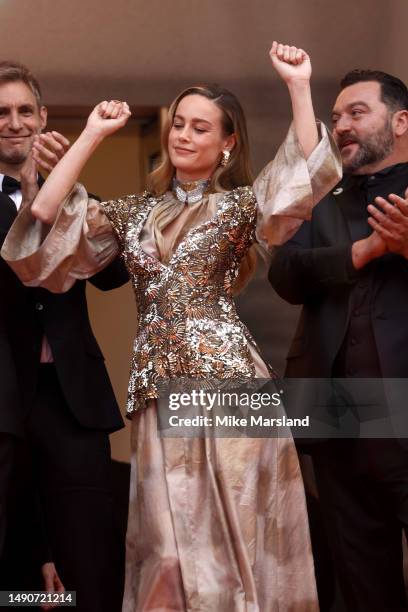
x=69, y=410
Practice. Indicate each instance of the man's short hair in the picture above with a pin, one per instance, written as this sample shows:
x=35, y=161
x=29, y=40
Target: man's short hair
x=11, y=72
x=394, y=92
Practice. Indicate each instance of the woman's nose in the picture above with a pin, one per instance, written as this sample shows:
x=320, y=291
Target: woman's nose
x=184, y=133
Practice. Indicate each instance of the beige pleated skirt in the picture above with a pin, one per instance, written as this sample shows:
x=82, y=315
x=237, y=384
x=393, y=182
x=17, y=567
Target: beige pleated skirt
x=216, y=525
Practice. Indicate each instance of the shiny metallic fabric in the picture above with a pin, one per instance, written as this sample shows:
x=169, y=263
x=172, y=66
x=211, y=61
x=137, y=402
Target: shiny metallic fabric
x=187, y=320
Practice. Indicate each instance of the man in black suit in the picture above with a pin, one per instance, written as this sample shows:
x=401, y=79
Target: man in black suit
x=55, y=387
x=348, y=266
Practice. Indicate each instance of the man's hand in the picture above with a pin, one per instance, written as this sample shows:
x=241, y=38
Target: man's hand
x=391, y=222
x=52, y=583
x=292, y=64
x=364, y=251
x=29, y=181
x=48, y=149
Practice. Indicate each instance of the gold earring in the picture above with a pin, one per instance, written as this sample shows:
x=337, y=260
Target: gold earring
x=225, y=157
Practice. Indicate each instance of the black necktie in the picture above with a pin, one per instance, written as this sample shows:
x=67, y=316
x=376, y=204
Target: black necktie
x=10, y=185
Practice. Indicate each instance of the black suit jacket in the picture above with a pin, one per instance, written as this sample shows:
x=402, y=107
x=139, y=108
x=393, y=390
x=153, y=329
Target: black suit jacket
x=315, y=269
x=29, y=313
x=11, y=409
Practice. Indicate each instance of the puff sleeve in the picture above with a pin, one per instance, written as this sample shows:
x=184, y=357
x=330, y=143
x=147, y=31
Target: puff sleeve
x=289, y=186
x=85, y=237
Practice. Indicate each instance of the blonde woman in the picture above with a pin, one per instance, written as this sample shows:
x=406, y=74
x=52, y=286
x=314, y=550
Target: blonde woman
x=214, y=524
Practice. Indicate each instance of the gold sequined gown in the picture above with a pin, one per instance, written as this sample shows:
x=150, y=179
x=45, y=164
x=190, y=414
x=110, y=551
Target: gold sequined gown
x=215, y=524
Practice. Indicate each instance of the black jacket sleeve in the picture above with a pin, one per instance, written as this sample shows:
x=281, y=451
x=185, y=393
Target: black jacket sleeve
x=300, y=272
x=113, y=276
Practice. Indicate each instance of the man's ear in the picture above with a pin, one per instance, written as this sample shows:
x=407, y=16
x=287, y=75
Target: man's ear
x=43, y=117
x=400, y=123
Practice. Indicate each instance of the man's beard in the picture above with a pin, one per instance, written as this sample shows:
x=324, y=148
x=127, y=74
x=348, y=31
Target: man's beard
x=372, y=150
x=14, y=156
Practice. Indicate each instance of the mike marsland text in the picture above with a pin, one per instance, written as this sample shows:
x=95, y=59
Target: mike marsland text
x=254, y=420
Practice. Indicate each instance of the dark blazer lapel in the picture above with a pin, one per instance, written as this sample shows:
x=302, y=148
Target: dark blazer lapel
x=7, y=202
x=352, y=196
x=8, y=212
x=330, y=227
x=346, y=195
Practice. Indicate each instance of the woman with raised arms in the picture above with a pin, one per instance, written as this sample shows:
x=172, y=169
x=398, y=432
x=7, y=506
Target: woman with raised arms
x=214, y=523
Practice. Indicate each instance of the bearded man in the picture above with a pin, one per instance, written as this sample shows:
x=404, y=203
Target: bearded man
x=348, y=267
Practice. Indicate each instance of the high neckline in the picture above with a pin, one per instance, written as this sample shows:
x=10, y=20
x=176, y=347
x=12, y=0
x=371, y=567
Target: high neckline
x=394, y=169
x=190, y=192
x=190, y=185
x=389, y=170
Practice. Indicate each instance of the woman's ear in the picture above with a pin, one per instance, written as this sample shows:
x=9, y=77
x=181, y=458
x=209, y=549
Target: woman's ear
x=230, y=142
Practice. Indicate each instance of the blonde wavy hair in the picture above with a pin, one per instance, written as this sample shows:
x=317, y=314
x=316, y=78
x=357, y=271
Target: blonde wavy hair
x=236, y=173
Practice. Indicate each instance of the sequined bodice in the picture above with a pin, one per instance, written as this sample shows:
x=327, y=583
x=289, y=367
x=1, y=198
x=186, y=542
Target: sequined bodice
x=188, y=325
